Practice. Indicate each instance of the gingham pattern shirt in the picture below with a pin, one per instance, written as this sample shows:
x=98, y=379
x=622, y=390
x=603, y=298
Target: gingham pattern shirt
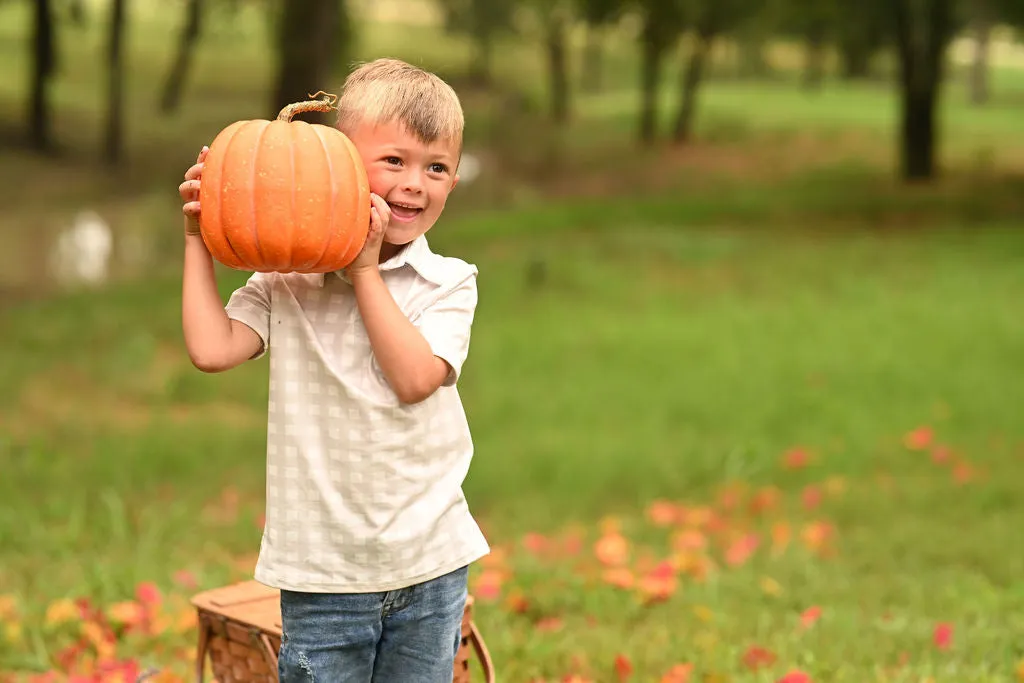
x=363, y=493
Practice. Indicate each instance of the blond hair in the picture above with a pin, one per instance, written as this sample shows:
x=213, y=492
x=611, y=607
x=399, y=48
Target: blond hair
x=389, y=90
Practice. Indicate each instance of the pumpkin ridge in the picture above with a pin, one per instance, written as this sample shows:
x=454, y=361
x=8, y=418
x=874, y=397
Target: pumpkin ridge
x=328, y=243
x=220, y=204
x=357, y=240
x=255, y=209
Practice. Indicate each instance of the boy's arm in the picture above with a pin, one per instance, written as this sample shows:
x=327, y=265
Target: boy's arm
x=416, y=359
x=403, y=353
x=214, y=342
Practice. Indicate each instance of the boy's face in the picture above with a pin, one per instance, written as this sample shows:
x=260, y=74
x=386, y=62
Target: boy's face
x=412, y=176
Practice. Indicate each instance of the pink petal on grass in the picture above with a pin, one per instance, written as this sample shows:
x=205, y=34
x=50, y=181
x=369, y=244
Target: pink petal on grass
x=796, y=677
x=796, y=458
x=943, y=635
x=810, y=616
x=148, y=593
x=919, y=439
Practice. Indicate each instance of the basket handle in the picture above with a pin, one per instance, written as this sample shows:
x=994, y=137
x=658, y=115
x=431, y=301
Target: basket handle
x=204, y=639
x=481, y=651
x=268, y=651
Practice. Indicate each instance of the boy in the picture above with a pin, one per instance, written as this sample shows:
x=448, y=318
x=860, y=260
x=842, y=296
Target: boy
x=368, y=535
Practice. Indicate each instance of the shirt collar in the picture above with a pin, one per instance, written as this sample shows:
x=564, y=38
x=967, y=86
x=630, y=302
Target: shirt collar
x=417, y=255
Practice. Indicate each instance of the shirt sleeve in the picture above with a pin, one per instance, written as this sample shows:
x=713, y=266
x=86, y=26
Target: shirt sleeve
x=446, y=324
x=250, y=305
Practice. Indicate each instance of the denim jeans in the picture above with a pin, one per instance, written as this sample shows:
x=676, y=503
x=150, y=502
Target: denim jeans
x=408, y=635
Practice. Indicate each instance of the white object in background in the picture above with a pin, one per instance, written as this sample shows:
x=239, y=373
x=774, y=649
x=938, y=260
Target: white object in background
x=82, y=252
x=469, y=168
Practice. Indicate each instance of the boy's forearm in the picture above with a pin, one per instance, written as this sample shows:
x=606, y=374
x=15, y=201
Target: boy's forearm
x=408, y=362
x=209, y=333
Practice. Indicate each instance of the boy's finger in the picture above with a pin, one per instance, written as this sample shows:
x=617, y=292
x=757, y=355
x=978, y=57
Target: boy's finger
x=202, y=154
x=191, y=209
x=194, y=172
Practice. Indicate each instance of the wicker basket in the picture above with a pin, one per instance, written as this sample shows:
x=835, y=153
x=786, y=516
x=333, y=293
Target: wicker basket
x=240, y=633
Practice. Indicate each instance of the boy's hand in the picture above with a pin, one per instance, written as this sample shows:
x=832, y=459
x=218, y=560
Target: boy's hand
x=189, y=191
x=369, y=258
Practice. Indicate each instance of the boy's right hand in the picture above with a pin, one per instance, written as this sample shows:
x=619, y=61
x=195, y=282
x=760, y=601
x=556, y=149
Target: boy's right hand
x=189, y=191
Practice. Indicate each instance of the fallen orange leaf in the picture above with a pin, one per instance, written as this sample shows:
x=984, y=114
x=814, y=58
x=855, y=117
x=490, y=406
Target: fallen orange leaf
x=741, y=549
x=919, y=439
x=688, y=540
x=662, y=513
x=612, y=549
x=620, y=577
x=811, y=497
x=757, y=657
x=796, y=458
x=810, y=616
x=488, y=584
x=679, y=673
x=623, y=668
x=61, y=611
x=781, y=534
x=660, y=583
x=535, y=543
x=549, y=624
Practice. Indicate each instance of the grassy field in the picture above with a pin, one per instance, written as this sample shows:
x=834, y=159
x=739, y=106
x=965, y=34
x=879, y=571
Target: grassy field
x=742, y=410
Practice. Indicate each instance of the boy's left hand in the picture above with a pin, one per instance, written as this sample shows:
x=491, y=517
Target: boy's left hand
x=369, y=257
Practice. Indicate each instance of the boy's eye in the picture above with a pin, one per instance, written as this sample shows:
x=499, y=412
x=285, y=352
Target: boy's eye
x=394, y=161
x=438, y=168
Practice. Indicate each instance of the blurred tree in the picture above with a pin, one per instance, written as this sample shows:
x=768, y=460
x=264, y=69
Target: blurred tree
x=77, y=12
x=983, y=16
x=43, y=65
x=597, y=16
x=175, y=81
x=861, y=30
x=923, y=30
x=114, y=133
x=555, y=18
x=483, y=21
x=310, y=35
x=813, y=22
x=663, y=22
x=709, y=19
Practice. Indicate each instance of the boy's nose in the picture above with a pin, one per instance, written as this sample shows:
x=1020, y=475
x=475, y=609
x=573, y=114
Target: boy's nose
x=412, y=182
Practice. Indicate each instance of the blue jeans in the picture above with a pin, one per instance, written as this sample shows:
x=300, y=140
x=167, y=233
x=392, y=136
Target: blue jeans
x=408, y=635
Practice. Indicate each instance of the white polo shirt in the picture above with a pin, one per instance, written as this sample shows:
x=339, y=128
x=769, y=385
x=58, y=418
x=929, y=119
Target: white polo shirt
x=363, y=493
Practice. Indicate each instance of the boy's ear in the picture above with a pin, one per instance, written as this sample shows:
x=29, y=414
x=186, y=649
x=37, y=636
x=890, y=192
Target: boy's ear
x=455, y=181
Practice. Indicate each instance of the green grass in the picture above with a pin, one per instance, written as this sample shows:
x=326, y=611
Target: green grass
x=665, y=324
x=656, y=359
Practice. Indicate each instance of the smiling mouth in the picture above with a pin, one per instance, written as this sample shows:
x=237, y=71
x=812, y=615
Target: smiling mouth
x=404, y=212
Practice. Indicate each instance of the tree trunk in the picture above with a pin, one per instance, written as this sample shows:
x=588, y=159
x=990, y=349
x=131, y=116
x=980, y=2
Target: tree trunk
x=77, y=13
x=690, y=85
x=114, y=138
x=978, y=74
x=43, y=64
x=307, y=38
x=918, y=134
x=814, y=66
x=855, y=55
x=593, y=59
x=480, y=70
x=922, y=37
x=558, y=69
x=751, y=60
x=650, y=78
x=179, y=70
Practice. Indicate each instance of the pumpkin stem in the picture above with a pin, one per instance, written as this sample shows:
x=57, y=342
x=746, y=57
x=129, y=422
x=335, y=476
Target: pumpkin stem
x=324, y=104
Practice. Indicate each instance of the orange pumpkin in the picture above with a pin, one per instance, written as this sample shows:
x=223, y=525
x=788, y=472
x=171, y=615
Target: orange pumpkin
x=284, y=196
